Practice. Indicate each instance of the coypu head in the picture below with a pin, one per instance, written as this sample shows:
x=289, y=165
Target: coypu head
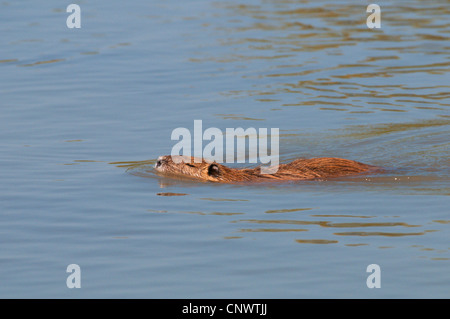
x=188, y=166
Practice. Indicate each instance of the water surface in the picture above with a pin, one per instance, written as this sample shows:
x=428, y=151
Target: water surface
x=86, y=112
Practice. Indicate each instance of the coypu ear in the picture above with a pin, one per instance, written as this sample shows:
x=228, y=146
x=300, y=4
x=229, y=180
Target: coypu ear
x=213, y=170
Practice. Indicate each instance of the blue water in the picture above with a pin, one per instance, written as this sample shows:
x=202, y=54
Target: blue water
x=86, y=112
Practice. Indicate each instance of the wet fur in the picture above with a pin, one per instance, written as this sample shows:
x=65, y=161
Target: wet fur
x=300, y=169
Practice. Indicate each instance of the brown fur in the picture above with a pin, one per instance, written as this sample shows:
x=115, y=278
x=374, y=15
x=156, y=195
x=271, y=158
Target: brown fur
x=300, y=169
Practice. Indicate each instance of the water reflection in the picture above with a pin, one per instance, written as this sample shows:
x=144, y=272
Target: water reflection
x=273, y=230
x=326, y=223
x=316, y=241
x=389, y=234
x=329, y=223
x=224, y=200
x=43, y=62
x=296, y=39
x=291, y=226
x=309, y=226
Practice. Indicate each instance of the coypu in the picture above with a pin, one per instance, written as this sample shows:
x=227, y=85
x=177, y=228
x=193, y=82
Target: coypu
x=300, y=169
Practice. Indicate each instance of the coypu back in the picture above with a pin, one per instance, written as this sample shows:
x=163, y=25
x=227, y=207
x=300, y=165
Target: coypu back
x=300, y=169
x=327, y=167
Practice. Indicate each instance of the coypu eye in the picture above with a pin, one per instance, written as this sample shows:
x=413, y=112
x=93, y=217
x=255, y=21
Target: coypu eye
x=213, y=170
x=190, y=165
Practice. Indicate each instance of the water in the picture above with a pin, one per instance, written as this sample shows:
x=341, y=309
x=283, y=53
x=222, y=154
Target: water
x=86, y=112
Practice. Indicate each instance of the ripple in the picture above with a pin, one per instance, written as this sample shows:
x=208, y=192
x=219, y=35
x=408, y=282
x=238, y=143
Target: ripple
x=316, y=241
x=43, y=62
x=387, y=234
